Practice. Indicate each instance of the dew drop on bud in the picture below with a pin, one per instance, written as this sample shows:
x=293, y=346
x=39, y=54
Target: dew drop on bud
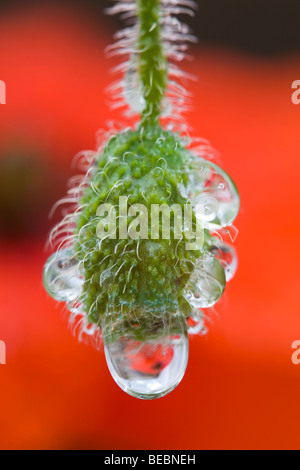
x=147, y=359
x=61, y=276
x=206, y=284
x=195, y=323
x=227, y=256
x=213, y=194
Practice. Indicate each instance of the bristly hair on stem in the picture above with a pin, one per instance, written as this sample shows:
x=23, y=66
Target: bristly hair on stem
x=152, y=41
x=153, y=68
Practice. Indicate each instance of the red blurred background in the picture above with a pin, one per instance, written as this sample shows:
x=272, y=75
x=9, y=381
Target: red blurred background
x=241, y=389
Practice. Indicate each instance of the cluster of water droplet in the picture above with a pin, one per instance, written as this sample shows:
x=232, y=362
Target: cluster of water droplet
x=216, y=202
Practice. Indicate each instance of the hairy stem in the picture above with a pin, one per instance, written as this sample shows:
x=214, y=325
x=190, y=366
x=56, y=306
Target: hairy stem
x=153, y=68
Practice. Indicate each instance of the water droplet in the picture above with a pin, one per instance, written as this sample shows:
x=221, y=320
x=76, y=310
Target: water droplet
x=206, y=208
x=213, y=194
x=227, y=256
x=206, y=284
x=195, y=323
x=61, y=276
x=150, y=362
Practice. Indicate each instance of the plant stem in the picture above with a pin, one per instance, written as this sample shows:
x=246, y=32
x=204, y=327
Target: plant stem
x=153, y=67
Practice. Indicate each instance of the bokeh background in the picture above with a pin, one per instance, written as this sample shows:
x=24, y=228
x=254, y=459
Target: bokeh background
x=241, y=389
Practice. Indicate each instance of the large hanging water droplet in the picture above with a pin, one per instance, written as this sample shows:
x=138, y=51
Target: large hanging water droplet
x=206, y=284
x=227, y=256
x=61, y=276
x=146, y=362
x=213, y=194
